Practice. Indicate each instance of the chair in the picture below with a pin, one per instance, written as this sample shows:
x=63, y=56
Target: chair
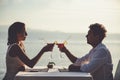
x=117, y=73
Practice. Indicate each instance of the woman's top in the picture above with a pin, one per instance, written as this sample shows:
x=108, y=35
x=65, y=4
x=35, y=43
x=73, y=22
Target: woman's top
x=13, y=64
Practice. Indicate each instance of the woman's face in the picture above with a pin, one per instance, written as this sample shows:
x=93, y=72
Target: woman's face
x=22, y=35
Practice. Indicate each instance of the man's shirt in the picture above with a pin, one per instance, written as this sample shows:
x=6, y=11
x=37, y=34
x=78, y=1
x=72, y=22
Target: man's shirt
x=98, y=62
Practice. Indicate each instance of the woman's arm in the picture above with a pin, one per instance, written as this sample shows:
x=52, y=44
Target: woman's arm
x=16, y=51
x=27, y=61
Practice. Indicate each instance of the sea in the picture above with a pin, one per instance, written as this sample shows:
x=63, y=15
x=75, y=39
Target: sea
x=76, y=44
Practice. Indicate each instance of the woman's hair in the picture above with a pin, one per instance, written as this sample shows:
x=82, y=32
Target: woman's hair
x=98, y=29
x=15, y=28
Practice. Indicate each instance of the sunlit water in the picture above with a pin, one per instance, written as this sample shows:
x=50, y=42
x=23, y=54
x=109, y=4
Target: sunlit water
x=76, y=44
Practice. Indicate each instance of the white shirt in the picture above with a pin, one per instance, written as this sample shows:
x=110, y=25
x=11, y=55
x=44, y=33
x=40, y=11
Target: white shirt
x=98, y=62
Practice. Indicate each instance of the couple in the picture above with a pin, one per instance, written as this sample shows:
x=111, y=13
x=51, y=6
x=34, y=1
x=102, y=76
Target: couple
x=97, y=62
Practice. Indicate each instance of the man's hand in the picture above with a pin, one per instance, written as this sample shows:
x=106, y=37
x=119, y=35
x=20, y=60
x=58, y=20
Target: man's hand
x=62, y=48
x=74, y=68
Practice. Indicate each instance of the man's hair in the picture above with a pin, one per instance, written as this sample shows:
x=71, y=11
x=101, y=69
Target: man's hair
x=98, y=29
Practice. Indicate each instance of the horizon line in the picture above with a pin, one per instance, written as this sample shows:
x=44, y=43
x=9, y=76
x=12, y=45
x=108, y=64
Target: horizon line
x=28, y=28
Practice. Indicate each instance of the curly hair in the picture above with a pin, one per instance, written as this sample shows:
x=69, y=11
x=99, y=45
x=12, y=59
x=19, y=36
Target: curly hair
x=98, y=29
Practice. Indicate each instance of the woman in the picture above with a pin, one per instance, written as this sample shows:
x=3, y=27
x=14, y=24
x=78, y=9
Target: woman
x=16, y=57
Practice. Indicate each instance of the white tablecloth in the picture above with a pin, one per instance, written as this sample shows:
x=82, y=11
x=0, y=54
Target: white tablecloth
x=52, y=74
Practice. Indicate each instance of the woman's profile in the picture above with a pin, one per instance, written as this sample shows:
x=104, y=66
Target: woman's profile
x=16, y=57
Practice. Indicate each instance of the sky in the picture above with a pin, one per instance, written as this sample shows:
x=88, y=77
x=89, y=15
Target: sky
x=71, y=16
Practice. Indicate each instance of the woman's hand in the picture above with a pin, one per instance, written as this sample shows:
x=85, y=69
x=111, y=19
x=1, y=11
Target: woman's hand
x=48, y=47
x=22, y=68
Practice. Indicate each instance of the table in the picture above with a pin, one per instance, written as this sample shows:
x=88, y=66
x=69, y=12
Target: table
x=52, y=74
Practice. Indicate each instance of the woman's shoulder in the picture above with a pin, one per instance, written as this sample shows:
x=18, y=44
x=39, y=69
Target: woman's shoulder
x=12, y=45
x=13, y=49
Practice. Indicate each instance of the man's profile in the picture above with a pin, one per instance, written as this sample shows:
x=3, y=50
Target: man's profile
x=98, y=61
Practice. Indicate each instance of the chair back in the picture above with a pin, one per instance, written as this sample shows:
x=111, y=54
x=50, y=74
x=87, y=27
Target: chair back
x=117, y=73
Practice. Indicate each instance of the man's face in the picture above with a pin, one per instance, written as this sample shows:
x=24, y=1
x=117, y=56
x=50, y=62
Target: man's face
x=91, y=38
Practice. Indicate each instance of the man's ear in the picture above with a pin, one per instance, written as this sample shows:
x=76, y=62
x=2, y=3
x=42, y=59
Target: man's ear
x=97, y=37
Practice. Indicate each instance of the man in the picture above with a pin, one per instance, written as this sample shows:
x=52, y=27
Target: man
x=98, y=61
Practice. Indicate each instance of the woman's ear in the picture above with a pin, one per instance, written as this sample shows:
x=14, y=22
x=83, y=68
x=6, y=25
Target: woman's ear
x=18, y=35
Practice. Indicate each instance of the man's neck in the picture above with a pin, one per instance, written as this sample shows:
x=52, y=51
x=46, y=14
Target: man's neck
x=95, y=44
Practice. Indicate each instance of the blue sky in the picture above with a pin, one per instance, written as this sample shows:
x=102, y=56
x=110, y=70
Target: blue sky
x=62, y=15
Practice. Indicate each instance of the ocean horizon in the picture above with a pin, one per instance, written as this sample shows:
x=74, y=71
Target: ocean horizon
x=76, y=43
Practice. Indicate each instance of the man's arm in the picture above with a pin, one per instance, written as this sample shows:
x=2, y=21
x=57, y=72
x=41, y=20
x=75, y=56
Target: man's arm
x=71, y=57
x=98, y=60
x=74, y=68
